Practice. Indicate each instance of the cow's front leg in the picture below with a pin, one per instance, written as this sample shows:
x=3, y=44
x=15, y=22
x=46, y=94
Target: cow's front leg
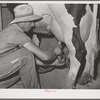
x=74, y=67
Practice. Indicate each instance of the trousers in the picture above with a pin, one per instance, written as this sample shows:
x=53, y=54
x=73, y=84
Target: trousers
x=22, y=62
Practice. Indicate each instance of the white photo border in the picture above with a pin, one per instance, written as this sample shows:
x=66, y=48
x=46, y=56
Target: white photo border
x=54, y=93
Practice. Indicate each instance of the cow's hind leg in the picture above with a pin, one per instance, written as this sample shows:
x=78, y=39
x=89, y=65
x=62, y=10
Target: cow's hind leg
x=88, y=71
x=92, y=50
x=74, y=67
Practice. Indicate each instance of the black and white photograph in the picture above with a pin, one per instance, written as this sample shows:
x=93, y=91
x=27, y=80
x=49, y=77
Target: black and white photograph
x=49, y=46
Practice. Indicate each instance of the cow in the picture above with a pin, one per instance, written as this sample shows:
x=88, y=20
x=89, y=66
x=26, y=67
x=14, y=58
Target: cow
x=66, y=21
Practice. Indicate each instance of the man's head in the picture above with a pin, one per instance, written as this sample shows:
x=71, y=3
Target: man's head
x=26, y=26
x=24, y=13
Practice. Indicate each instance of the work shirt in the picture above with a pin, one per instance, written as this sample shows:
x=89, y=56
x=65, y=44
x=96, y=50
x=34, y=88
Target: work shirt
x=20, y=60
x=11, y=37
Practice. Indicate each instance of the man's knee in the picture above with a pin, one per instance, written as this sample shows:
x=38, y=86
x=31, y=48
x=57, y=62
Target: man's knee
x=26, y=61
x=26, y=54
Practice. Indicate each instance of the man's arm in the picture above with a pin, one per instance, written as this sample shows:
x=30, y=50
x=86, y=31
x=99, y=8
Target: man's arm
x=43, y=55
x=57, y=62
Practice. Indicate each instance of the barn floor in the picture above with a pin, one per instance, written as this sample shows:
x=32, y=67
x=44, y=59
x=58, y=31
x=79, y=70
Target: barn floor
x=56, y=79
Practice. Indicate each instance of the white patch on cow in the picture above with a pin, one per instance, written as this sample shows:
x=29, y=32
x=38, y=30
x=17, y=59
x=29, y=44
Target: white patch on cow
x=40, y=9
x=85, y=24
x=64, y=19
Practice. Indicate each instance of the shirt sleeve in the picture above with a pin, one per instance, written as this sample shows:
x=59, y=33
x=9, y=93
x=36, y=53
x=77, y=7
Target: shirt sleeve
x=18, y=38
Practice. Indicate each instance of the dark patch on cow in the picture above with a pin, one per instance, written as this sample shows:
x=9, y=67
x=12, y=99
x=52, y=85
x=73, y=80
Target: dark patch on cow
x=79, y=45
x=80, y=51
x=77, y=11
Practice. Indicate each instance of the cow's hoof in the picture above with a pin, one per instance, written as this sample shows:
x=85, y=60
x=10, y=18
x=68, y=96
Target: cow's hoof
x=85, y=79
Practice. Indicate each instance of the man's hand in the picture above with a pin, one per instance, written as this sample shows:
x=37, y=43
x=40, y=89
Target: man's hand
x=59, y=62
x=58, y=51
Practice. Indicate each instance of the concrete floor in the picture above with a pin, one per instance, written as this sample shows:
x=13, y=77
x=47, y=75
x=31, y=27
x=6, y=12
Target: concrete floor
x=56, y=80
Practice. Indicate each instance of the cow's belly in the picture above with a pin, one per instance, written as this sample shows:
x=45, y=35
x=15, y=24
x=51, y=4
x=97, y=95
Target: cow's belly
x=56, y=30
